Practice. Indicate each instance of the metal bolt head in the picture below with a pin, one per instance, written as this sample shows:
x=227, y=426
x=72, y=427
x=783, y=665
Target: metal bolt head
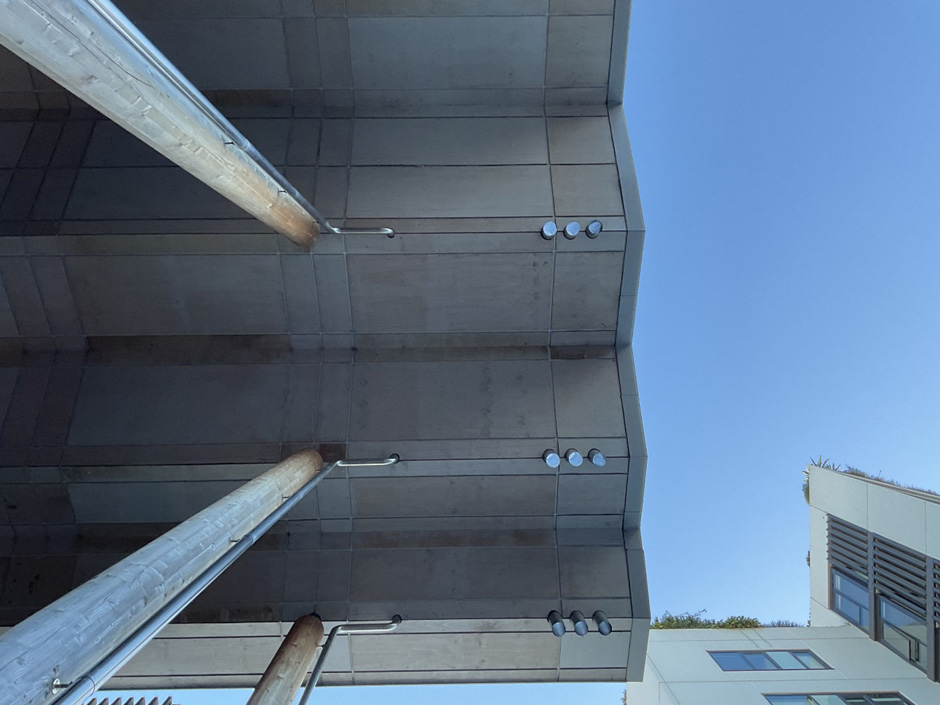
x=549, y=230
x=603, y=624
x=572, y=229
x=557, y=622
x=596, y=457
x=580, y=624
x=551, y=458
x=593, y=229
x=573, y=457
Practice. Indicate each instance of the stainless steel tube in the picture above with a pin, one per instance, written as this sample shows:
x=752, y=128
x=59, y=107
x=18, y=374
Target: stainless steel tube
x=348, y=628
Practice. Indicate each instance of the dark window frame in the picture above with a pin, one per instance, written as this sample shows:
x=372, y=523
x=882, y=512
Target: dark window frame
x=852, y=578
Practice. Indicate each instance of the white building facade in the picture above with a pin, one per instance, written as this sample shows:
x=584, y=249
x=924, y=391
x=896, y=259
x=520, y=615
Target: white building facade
x=875, y=596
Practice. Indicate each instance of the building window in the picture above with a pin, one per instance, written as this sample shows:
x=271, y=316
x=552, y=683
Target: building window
x=902, y=632
x=768, y=660
x=850, y=599
x=840, y=699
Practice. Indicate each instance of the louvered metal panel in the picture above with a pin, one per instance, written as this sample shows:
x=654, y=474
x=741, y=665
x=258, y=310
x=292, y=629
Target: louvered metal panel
x=936, y=591
x=129, y=701
x=901, y=574
x=848, y=547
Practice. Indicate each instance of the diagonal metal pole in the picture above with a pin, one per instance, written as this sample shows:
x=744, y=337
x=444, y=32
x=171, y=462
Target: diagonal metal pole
x=93, y=50
x=70, y=648
x=284, y=675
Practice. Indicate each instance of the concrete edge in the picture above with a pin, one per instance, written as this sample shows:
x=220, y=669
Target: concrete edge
x=618, y=52
x=640, y=602
x=636, y=438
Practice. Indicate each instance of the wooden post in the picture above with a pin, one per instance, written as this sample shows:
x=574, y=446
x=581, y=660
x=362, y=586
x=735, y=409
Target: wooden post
x=95, y=52
x=64, y=641
x=285, y=673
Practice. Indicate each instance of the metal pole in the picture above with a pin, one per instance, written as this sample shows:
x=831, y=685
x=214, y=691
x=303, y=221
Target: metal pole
x=84, y=637
x=348, y=628
x=94, y=51
x=285, y=674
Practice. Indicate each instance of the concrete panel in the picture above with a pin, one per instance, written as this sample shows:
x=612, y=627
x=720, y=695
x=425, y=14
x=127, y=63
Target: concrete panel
x=144, y=502
x=449, y=142
x=897, y=516
x=592, y=190
x=580, y=140
x=336, y=142
x=591, y=494
x=178, y=294
x=459, y=292
x=300, y=409
x=14, y=72
x=24, y=406
x=544, y=675
x=333, y=414
x=474, y=496
x=593, y=571
x=333, y=576
x=581, y=7
x=179, y=405
x=201, y=657
x=56, y=293
x=147, y=193
x=224, y=53
x=5, y=176
x=13, y=137
x=23, y=296
x=257, y=576
x=270, y=137
x=333, y=498
x=112, y=145
x=7, y=383
x=595, y=651
x=933, y=530
x=303, y=51
x=411, y=652
x=300, y=293
x=587, y=398
x=841, y=495
x=453, y=192
x=332, y=284
x=8, y=327
x=586, y=294
x=300, y=583
x=304, y=142
x=466, y=573
x=819, y=565
x=20, y=194
x=578, y=51
x=444, y=52
x=444, y=8
x=451, y=400
x=332, y=191
x=333, y=40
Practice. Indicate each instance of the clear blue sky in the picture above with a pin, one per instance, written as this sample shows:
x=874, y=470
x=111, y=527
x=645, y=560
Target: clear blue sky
x=788, y=155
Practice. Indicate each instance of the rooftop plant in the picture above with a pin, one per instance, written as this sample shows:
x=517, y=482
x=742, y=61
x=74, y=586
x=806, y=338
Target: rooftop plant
x=695, y=620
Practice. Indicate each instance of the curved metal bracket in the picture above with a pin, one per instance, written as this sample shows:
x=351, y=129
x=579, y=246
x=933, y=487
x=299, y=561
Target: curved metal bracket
x=387, y=232
x=384, y=462
x=347, y=628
